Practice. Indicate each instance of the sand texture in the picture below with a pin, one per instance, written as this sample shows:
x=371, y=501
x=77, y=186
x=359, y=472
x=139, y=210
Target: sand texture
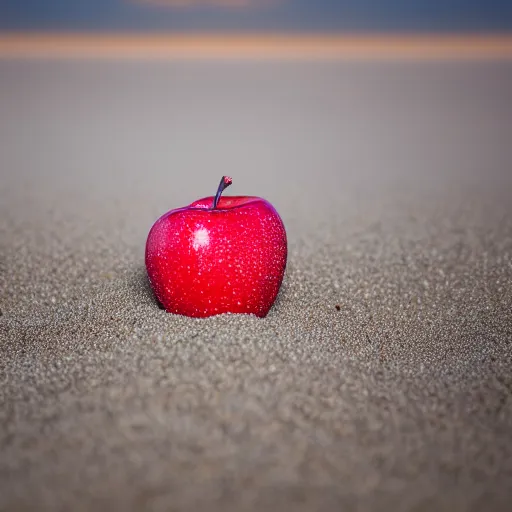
x=394, y=181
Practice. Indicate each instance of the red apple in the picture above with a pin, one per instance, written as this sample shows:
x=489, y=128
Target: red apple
x=218, y=255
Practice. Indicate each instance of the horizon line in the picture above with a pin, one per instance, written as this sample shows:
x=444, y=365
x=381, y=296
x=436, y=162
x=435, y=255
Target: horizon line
x=188, y=45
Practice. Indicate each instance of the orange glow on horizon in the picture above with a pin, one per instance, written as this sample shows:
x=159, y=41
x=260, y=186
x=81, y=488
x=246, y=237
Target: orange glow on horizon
x=47, y=45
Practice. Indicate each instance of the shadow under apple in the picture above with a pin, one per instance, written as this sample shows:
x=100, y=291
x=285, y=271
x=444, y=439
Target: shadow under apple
x=140, y=283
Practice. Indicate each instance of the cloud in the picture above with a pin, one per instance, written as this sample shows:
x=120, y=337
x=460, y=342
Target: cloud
x=207, y=3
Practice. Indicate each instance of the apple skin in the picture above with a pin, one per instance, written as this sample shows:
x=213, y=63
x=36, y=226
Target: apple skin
x=229, y=259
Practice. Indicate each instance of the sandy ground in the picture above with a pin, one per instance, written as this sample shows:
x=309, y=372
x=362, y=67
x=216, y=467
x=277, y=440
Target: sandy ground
x=394, y=181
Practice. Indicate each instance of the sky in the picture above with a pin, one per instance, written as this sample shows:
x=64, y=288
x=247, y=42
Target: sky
x=303, y=16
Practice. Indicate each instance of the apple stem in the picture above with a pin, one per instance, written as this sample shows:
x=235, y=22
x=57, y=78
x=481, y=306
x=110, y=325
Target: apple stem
x=224, y=183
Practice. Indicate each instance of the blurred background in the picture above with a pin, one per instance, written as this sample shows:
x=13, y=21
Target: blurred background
x=166, y=101
x=242, y=116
